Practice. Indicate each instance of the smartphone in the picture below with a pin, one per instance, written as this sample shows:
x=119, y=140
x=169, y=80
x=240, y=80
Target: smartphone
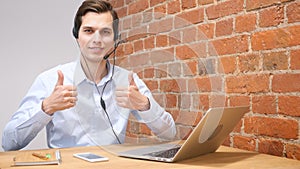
x=90, y=157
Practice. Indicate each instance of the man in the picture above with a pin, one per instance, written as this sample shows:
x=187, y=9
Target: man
x=88, y=101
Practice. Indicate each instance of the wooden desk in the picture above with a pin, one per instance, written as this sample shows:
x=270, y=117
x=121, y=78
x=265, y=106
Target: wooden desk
x=225, y=157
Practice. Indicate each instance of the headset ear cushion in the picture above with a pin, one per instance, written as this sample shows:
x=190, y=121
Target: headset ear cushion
x=75, y=33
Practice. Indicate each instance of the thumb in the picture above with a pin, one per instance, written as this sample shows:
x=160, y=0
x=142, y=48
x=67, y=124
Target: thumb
x=60, y=80
x=130, y=79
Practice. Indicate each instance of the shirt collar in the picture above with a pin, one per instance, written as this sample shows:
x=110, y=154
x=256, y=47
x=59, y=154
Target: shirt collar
x=79, y=75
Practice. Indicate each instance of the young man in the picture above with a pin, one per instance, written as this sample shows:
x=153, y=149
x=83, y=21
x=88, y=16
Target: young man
x=88, y=101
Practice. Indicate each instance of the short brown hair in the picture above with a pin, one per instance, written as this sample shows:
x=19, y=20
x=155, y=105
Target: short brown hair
x=97, y=6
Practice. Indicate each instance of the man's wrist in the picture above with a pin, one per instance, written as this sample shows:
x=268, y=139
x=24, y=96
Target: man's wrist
x=46, y=109
x=146, y=106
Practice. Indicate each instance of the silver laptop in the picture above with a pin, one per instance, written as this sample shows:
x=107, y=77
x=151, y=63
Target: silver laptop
x=207, y=137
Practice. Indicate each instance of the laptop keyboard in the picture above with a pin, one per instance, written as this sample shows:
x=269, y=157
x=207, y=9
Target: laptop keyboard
x=165, y=153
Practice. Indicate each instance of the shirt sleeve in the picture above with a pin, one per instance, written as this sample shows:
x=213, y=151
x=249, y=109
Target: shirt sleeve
x=27, y=121
x=156, y=118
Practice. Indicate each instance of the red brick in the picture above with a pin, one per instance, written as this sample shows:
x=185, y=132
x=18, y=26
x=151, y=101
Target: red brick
x=138, y=6
x=273, y=127
x=144, y=129
x=227, y=65
x=139, y=60
x=149, y=43
x=224, y=27
x=185, y=101
x=137, y=33
x=293, y=12
x=190, y=68
x=232, y=45
x=187, y=4
x=173, y=7
x=163, y=25
x=206, y=31
x=273, y=147
x=295, y=59
x=175, y=37
x=160, y=99
x=264, y=104
x=275, y=61
x=128, y=49
x=161, y=41
x=243, y=142
x=286, y=83
x=122, y=12
x=204, y=102
x=185, y=52
x=217, y=100
x=207, y=84
x=161, y=71
x=127, y=23
x=189, y=35
x=155, y=2
x=174, y=69
x=204, y=84
x=191, y=85
x=137, y=20
x=151, y=84
x=149, y=73
x=116, y=3
x=196, y=103
x=160, y=11
x=169, y=86
x=293, y=151
x=171, y=101
x=289, y=105
x=248, y=63
x=256, y=4
x=239, y=100
x=271, y=16
x=189, y=18
x=205, y=2
x=138, y=45
x=162, y=56
x=224, y=9
x=245, y=23
x=277, y=38
x=247, y=84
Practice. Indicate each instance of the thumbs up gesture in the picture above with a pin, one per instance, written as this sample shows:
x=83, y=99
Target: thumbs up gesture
x=62, y=97
x=130, y=97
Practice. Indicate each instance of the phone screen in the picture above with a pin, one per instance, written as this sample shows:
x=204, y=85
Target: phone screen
x=90, y=157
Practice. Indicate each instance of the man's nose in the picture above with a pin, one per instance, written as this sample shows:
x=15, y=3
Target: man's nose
x=97, y=37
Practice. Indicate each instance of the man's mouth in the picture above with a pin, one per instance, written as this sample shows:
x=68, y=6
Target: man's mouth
x=96, y=49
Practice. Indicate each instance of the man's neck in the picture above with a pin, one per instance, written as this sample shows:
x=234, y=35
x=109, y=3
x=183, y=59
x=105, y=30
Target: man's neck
x=94, y=71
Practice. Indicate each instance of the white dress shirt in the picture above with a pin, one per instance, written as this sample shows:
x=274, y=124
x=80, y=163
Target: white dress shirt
x=85, y=124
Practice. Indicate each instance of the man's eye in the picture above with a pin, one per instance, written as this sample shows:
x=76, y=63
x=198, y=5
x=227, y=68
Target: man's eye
x=88, y=31
x=106, y=32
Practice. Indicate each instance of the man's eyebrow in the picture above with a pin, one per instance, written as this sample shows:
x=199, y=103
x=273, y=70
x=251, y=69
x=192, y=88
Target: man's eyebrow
x=87, y=27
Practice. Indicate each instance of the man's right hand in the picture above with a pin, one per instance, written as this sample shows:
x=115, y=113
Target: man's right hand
x=62, y=97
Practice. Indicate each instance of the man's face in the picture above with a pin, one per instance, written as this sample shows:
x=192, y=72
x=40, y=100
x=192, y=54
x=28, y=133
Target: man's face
x=96, y=36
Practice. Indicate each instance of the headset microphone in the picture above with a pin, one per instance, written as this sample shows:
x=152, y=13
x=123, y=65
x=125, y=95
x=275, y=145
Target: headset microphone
x=115, y=47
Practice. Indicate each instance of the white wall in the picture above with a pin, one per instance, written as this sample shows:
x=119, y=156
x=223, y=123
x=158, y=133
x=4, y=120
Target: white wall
x=34, y=36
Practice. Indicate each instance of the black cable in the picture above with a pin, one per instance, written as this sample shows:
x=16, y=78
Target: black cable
x=102, y=103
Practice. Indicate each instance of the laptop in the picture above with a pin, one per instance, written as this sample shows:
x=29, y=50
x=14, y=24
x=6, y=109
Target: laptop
x=207, y=136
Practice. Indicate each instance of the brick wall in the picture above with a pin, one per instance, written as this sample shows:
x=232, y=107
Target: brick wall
x=196, y=54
